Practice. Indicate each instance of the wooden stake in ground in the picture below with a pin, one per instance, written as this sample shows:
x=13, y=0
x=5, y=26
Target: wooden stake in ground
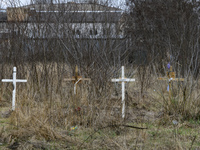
x=14, y=81
x=171, y=76
x=76, y=79
x=123, y=80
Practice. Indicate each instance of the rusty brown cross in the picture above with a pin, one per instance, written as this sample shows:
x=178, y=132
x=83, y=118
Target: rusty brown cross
x=76, y=79
x=171, y=76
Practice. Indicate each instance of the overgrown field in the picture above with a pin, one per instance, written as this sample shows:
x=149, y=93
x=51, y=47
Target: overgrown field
x=49, y=116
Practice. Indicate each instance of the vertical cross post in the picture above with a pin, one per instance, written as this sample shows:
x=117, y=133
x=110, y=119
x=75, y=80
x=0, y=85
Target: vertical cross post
x=14, y=87
x=170, y=84
x=123, y=94
x=76, y=79
x=75, y=85
x=123, y=80
x=14, y=81
x=171, y=76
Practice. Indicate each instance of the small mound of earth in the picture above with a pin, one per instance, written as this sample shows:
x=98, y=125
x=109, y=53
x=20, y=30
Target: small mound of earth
x=132, y=114
x=143, y=115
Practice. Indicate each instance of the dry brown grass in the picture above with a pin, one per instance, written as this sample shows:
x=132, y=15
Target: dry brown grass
x=46, y=110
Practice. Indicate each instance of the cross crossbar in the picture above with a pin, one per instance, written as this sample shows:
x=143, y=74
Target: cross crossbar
x=77, y=79
x=10, y=80
x=73, y=79
x=173, y=79
x=170, y=77
x=14, y=81
x=123, y=80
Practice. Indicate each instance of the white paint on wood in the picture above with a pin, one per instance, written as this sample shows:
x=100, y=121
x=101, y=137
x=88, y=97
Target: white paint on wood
x=123, y=80
x=14, y=81
x=75, y=85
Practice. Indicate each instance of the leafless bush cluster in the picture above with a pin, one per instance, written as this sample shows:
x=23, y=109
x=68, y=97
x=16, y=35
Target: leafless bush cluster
x=168, y=32
x=46, y=41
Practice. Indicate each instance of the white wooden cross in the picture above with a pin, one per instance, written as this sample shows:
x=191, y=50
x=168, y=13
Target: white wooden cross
x=14, y=81
x=123, y=80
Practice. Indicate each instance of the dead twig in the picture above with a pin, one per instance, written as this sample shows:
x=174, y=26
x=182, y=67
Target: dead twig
x=109, y=126
x=193, y=142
